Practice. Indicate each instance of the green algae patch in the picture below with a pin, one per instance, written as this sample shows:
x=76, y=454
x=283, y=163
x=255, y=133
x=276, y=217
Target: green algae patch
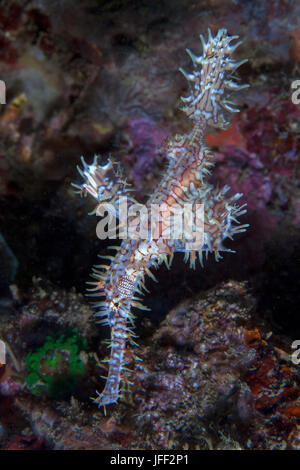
x=56, y=368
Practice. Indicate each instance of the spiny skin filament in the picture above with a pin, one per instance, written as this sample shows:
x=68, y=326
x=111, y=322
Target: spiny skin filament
x=189, y=162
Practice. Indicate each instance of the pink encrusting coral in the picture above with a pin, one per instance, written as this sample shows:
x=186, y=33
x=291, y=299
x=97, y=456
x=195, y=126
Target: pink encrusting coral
x=189, y=162
x=144, y=138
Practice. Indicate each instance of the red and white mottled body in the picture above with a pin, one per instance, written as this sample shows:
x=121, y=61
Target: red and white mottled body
x=183, y=182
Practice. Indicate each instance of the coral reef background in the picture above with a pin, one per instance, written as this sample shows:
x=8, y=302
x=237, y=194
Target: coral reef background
x=94, y=76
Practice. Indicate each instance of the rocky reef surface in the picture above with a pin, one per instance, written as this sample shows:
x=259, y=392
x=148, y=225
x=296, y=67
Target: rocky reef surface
x=212, y=376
